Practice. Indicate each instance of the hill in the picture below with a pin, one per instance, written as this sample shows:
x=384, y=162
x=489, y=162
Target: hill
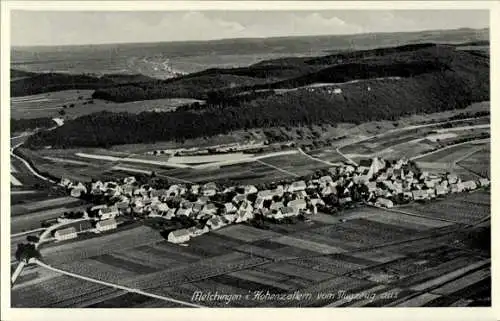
x=429, y=78
x=28, y=83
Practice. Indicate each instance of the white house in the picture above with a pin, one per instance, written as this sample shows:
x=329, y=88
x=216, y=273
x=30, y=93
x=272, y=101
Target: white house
x=289, y=211
x=184, y=211
x=215, y=223
x=229, y=208
x=243, y=216
x=469, y=185
x=129, y=180
x=420, y=195
x=276, y=206
x=65, y=234
x=209, y=209
x=108, y=212
x=298, y=204
x=179, y=236
x=484, y=182
x=297, y=186
x=106, y=225
x=384, y=202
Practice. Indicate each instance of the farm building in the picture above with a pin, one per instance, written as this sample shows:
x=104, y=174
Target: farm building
x=108, y=212
x=179, y=236
x=65, y=234
x=106, y=225
x=384, y=202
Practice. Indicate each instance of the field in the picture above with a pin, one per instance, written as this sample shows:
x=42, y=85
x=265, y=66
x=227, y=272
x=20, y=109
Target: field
x=50, y=104
x=248, y=169
x=400, y=259
x=461, y=208
x=478, y=162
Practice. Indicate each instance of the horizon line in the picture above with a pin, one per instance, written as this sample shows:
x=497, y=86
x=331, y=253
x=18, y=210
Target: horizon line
x=237, y=38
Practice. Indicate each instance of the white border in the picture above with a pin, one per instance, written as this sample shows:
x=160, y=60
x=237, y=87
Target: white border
x=254, y=313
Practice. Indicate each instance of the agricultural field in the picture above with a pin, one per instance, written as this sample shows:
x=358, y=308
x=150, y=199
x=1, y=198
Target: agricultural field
x=466, y=208
x=80, y=102
x=478, y=162
x=297, y=164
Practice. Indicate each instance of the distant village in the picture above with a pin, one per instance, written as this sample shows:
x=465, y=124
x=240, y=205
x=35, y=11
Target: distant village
x=207, y=207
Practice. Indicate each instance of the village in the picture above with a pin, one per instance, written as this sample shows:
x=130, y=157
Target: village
x=207, y=207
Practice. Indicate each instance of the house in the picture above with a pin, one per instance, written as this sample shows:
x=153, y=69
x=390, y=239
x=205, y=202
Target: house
x=183, y=212
x=328, y=190
x=288, y=211
x=384, y=202
x=297, y=186
x=237, y=199
x=469, y=185
x=276, y=206
x=162, y=207
x=209, y=189
x=249, y=189
x=129, y=180
x=65, y=234
x=230, y=217
x=215, y=223
x=128, y=190
x=326, y=180
x=420, y=195
x=197, y=207
x=195, y=189
x=243, y=216
x=483, y=182
x=298, y=204
x=372, y=186
x=169, y=214
x=259, y=203
x=122, y=206
x=317, y=201
x=174, y=190
x=65, y=182
x=108, y=212
x=210, y=209
x=229, y=208
x=457, y=188
x=179, y=236
x=106, y=225
x=345, y=200
x=246, y=206
x=441, y=190
x=195, y=231
x=452, y=178
x=301, y=194
x=76, y=192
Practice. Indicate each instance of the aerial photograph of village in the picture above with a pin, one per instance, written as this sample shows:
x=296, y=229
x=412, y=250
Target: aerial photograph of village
x=250, y=159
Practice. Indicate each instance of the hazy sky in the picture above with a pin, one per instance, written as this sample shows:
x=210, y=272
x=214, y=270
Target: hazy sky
x=64, y=28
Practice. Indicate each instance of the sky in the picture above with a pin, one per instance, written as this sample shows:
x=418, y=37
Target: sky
x=50, y=28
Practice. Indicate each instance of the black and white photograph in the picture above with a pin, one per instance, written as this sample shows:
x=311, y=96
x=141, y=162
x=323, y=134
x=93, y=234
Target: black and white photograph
x=249, y=158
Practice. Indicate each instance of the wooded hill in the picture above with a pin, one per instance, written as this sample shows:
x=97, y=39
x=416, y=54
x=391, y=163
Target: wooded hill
x=432, y=78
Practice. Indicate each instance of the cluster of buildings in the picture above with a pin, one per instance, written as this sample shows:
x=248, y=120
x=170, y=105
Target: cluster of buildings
x=377, y=182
